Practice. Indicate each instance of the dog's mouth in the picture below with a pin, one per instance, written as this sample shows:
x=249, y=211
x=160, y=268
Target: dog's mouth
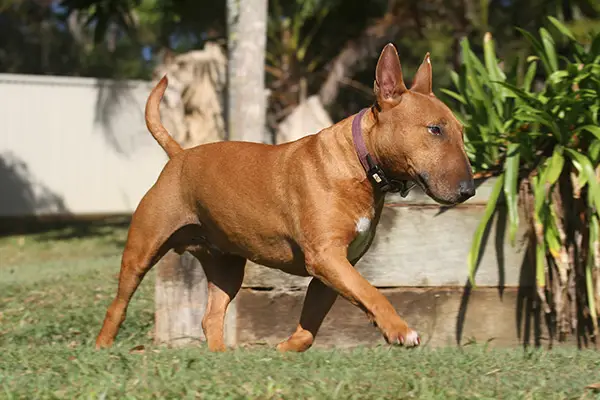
x=422, y=183
x=419, y=180
x=402, y=186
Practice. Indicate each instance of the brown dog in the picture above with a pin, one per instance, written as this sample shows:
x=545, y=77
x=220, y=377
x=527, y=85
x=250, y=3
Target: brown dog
x=308, y=207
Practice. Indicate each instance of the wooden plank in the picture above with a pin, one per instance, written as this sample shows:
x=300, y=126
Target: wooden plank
x=180, y=302
x=442, y=316
x=424, y=246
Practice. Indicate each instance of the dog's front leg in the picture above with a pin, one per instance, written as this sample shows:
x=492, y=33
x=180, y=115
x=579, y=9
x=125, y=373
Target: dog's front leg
x=317, y=303
x=335, y=271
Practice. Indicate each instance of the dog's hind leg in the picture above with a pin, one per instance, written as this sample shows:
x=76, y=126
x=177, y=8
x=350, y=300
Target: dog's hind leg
x=317, y=303
x=224, y=273
x=149, y=238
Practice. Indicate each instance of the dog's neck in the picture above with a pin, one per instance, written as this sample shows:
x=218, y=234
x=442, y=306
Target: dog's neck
x=371, y=152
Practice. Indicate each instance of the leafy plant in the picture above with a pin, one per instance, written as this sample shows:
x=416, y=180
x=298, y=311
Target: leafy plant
x=544, y=147
x=292, y=29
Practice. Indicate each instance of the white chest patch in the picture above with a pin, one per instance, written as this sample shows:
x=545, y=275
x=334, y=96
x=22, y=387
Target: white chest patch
x=363, y=224
x=364, y=234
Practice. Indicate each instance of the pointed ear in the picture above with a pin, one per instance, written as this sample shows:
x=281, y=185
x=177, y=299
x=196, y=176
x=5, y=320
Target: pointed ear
x=422, y=80
x=389, y=84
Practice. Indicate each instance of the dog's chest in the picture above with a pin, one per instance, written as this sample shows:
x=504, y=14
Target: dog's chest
x=365, y=230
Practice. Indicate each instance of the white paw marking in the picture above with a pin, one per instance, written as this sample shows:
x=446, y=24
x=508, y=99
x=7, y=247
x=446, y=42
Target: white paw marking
x=412, y=339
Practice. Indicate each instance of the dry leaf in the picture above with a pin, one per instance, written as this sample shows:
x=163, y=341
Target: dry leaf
x=493, y=371
x=138, y=349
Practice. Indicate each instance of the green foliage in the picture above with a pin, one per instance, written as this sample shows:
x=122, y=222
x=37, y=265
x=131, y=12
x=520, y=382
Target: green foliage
x=482, y=105
x=286, y=34
x=544, y=145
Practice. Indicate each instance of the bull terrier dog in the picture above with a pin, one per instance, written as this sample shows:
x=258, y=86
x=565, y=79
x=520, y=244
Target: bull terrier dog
x=308, y=207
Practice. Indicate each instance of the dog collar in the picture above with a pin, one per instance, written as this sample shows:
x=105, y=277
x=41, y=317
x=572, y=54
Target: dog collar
x=374, y=172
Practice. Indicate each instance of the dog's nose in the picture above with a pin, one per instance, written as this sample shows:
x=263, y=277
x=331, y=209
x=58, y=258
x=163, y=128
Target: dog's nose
x=466, y=189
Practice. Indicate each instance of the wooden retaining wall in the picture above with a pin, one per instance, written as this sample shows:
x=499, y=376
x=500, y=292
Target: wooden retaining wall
x=418, y=259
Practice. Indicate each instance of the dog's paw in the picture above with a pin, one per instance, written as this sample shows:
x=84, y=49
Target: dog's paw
x=411, y=339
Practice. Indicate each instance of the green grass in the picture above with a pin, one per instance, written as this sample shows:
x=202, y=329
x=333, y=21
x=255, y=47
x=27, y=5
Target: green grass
x=57, y=371
x=54, y=289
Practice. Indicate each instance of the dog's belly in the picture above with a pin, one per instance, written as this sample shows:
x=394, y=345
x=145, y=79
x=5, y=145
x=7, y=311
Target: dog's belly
x=298, y=269
x=280, y=251
x=273, y=252
x=292, y=262
x=284, y=257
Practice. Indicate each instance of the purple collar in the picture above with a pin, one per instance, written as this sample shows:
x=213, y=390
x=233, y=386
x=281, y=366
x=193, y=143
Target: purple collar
x=374, y=172
x=357, y=138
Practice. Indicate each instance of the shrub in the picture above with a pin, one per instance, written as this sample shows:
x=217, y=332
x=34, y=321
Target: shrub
x=542, y=141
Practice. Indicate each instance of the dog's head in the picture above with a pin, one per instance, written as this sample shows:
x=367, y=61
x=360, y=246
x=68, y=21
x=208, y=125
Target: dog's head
x=416, y=135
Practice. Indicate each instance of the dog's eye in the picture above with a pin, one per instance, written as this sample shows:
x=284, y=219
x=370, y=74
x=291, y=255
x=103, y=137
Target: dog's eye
x=434, y=130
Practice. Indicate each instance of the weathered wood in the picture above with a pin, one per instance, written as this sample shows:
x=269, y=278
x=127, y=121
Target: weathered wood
x=424, y=246
x=443, y=316
x=180, y=300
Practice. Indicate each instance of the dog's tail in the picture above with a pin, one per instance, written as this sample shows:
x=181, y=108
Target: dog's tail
x=154, y=124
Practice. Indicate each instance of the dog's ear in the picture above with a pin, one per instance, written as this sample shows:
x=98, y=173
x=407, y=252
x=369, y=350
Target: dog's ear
x=389, y=84
x=422, y=80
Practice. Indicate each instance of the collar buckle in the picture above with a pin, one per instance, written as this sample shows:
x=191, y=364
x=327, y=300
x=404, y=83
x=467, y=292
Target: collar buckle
x=377, y=176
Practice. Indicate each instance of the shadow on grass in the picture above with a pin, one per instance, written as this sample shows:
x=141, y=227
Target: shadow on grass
x=22, y=195
x=65, y=228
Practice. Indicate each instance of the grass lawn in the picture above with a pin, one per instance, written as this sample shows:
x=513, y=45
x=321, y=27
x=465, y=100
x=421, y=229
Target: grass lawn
x=55, y=287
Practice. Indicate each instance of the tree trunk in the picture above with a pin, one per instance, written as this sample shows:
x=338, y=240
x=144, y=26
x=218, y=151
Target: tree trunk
x=247, y=22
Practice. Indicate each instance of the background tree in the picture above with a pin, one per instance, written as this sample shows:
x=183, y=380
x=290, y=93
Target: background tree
x=247, y=22
x=324, y=47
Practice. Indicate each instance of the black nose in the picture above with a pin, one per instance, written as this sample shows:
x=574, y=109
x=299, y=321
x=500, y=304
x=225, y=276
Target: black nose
x=466, y=189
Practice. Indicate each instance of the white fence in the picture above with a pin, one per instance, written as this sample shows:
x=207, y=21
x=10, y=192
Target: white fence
x=74, y=146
